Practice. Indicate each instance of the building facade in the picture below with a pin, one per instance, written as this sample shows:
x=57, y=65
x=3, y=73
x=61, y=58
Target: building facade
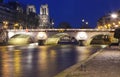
x=44, y=17
x=6, y=14
x=30, y=8
x=12, y=14
x=109, y=21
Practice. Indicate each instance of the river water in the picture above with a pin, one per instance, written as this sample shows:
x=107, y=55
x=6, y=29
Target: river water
x=41, y=61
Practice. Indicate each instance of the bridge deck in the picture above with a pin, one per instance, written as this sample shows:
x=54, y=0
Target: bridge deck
x=63, y=30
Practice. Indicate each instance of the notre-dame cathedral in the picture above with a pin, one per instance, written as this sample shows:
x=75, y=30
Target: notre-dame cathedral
x=43, y=16
x=44, y=21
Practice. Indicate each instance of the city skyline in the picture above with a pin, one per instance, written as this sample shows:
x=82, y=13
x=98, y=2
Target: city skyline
x=74, y=11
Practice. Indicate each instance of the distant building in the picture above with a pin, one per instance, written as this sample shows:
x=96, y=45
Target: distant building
x=6, y=14
x=14, y=13
x=15, y=6
x=30, y=8
x=44, y=17
x=108, y=22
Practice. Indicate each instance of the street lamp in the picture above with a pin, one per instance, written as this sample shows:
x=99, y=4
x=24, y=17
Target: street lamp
x=16, y=25
x=83, y=20
x=114, y=15
x=115, y=18
x=86, y=23
x=5, y=24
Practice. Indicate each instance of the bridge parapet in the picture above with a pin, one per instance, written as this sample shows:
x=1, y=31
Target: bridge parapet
x=67, y=30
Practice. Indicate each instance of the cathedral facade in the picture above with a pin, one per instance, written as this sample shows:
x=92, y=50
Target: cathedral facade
x=44, y=18
x=45, y=21
x=25, y=16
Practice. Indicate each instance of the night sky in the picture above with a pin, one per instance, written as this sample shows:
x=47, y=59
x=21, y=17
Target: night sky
x=73, y=11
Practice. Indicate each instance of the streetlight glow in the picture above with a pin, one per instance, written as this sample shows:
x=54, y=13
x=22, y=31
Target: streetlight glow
x=83, y=20
x=16, y=24
x=5, y=24
x=119, y=22
x=114, y=15
x=87, y=23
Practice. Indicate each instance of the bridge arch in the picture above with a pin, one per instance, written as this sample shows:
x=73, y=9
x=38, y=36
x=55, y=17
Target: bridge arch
x=60, y=38
x=20, y=39
x=99, y=39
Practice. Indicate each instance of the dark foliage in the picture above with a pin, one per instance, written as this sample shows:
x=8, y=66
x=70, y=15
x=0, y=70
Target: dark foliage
x=64, y=25
x=14, y=4
x=117, y=33
x=1, y=1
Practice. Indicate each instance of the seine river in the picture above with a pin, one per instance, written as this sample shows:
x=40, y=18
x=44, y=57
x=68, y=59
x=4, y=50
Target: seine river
x=40, y=61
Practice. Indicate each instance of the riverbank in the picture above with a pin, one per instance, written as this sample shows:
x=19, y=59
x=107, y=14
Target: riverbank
x=104, y=63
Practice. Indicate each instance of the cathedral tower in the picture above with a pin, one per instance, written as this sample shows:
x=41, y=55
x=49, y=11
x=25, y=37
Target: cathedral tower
x=44, y=17
x=30, y=8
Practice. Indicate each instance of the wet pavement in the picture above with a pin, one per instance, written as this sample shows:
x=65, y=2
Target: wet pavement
x=105, y=63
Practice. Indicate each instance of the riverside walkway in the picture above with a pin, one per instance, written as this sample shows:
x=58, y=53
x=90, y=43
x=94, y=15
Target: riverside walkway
x=104, y=63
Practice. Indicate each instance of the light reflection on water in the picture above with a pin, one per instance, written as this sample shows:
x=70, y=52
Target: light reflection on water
x=41, y=61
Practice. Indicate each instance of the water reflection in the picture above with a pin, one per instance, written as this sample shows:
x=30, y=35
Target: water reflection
x=17, y=63
x=41, y=61
x=5, y=65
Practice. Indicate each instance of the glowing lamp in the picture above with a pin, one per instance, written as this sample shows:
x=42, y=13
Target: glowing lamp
x=42, y=35
x=81, y=36
x=114, y=15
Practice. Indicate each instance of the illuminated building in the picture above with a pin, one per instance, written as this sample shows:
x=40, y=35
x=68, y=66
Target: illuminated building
x=8, y=12
x=30, y=8
x=44, y=17
x=109, y=21
x=14, y=13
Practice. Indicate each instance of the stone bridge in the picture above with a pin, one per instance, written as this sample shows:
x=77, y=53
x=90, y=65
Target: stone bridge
x=44, y=34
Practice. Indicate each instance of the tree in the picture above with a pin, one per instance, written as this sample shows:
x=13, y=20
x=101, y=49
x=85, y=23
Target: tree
x=117, y=33
x=64, y=25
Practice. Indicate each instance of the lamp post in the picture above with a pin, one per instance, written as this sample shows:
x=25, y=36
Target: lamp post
x=52, y=24
x=16, y=25
x=114, y=16
x=84, y=24
x=5, y=24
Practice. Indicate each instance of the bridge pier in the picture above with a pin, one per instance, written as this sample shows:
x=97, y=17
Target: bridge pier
x=41, y=42
x=3, y=37
x=80, y=42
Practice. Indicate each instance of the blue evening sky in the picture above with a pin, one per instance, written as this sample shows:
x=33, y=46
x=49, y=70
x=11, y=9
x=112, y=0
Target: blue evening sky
x=72, y=11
